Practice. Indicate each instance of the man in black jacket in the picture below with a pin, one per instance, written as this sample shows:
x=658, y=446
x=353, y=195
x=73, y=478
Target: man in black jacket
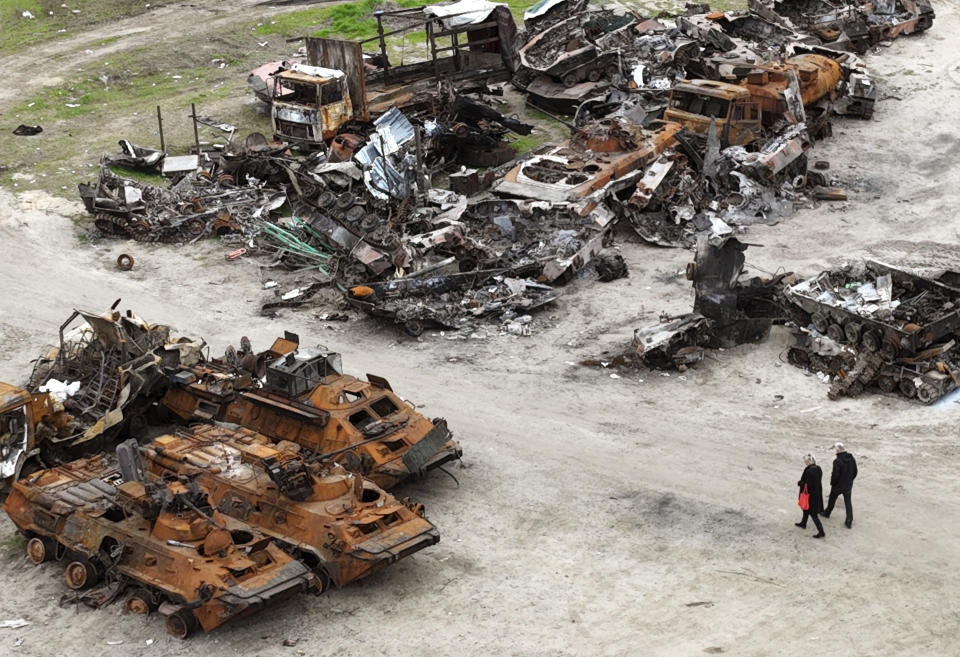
x=841, y=482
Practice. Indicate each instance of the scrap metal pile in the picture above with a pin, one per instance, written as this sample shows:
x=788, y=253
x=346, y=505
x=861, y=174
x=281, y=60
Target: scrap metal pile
x=730, y=308
x=268, y=477
x=878, y=326
x=870, y=326
x=697, y=125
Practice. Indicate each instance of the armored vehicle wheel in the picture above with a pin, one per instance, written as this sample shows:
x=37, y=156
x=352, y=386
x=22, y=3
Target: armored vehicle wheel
x=345, y=200
x=888, y=351
x=871, y=341
x=612, y=70
x=80, y=575
x=853, y=330
x=194, y=227
x=820, y=322
x=886, y=383
x=927, y=394
x=908, y=388
x=139, y=602
x=181, y=623
x=569, y=80
x=594, y=75
x=414, y=327
x=138, y=229
x=835, y=332
x=40, y=550
x=798, y=357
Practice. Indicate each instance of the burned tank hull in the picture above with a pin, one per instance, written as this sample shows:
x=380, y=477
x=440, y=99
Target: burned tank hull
x=342, y=525
x=307, y=400
x=162, y=545
x=877, y=326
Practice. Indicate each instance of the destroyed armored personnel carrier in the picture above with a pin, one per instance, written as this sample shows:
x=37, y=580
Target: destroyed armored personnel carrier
x=879, y=326
x=306, y=399
x=162, y=544
x=343, y=526
x=89, y=390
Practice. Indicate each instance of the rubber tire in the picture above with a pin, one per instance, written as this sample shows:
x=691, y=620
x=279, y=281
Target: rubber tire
x=907, y=388
x=886, y=383
x=853, y=331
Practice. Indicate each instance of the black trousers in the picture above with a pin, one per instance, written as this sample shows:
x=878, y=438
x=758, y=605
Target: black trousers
x=816, y=520
x=847, y=504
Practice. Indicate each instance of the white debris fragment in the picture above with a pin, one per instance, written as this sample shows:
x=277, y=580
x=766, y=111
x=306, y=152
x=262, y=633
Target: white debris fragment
x=14, y=624
x=60, y=390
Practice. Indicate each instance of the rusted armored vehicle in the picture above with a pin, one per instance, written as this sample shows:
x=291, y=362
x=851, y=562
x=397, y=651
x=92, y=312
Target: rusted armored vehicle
x=162, y=544
x=584, y=46
x=306, y=398
x=343, y=526
x=91, y=389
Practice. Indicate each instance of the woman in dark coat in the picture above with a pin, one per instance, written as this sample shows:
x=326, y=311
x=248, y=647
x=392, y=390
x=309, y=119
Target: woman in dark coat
x=811, y=477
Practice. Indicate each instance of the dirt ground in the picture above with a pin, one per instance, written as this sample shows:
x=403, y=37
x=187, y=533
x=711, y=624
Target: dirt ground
x=594, y=516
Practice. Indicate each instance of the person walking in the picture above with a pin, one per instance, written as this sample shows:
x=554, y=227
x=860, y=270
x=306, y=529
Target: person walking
x=841, y=482
x=811, y=482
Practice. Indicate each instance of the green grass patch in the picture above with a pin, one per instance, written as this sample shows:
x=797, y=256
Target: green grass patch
x=525, y=143
x=13, y=545
x=110, y=89
x=351, y=20
x=51, y=20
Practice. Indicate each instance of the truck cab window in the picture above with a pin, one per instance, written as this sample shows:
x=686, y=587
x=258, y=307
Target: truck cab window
x=331, y=92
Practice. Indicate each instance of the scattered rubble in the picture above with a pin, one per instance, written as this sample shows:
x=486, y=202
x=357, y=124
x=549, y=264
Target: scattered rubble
x=700, y=125
x=730, y=308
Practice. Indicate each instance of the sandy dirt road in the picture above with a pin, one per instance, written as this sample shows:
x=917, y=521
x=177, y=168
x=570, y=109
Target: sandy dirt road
x=646, y=515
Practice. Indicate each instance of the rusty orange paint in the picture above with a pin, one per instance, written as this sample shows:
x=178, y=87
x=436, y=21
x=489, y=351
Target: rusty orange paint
x=343, y=525
x=373, y=426
x=215, y=569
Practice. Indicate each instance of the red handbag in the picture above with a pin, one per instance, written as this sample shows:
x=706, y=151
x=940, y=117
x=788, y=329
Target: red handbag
x=804, y=499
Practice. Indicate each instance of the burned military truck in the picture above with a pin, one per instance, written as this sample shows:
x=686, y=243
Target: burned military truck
x=163, y=545
x=878, y=325
x=306, y=398
x=342, y=525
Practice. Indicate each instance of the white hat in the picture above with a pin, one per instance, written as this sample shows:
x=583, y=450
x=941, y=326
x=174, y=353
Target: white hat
x=838, y=447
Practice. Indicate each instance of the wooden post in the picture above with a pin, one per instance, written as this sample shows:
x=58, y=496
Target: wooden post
x=163, y=145
x=196, y=133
